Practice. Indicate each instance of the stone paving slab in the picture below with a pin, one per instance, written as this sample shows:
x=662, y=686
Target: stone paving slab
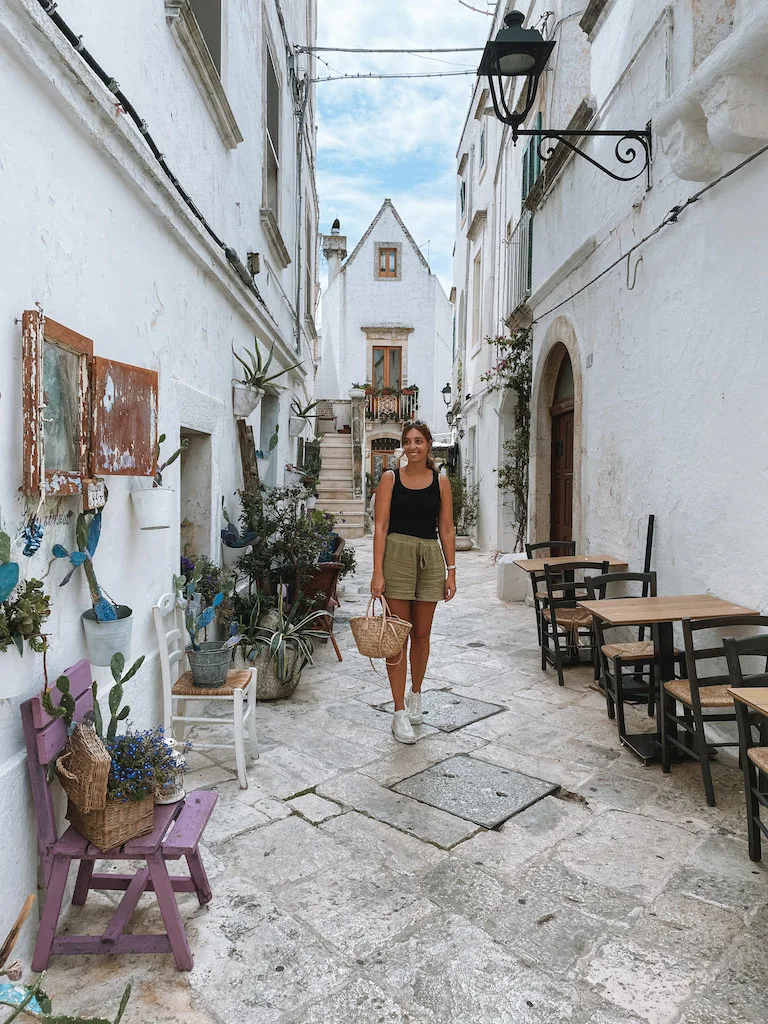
x=427, y=823
x=475, y=790
x=377, y=844
x=360, y=1002
x=448, y=711
x=314, y=808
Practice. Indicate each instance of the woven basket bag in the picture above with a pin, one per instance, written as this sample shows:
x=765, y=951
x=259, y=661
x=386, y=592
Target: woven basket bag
x=379, y=636
x=83, y=770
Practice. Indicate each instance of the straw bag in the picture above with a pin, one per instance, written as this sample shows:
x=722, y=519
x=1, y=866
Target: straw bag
x=380, y=636
x=84, y=770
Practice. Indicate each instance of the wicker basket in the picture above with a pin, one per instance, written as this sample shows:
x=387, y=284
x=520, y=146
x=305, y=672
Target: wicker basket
x=116, y=823
x=379, y=636
x=83, y=770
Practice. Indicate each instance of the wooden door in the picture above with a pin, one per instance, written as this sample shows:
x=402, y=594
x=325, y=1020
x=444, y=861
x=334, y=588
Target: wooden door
x=561, y=509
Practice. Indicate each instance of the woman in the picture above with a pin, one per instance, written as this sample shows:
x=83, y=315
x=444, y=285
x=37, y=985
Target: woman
x=413, y=505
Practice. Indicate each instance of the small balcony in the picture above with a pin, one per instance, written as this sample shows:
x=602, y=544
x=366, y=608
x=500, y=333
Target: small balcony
x=391, y=405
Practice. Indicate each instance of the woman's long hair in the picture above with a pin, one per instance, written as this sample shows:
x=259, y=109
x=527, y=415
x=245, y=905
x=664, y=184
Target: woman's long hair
x=426, y=433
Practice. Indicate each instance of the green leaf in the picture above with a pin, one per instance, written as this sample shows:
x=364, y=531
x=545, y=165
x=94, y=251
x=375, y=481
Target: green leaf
x=18, y=639
x=74, y=1020
x=62, y=683
x=123, y=1004
x=115, y=697
x=117, y=665
x=5, y=547
x=133, y=669
x=123, y=714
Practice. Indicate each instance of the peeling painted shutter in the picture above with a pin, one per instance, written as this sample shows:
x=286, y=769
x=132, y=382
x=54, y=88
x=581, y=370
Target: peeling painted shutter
x=124, y=407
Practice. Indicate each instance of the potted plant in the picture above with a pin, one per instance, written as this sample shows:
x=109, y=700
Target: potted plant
x=256, y=381
x=280, y=647
x=108, y=626
x=22, y=610
x=209, y=660
x=301, y=415
x=233, y=543
x=466, y=507
x=154, y=505
x=263, y=457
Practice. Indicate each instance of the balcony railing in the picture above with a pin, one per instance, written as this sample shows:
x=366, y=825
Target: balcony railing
x=520, y=261
x=391, y=407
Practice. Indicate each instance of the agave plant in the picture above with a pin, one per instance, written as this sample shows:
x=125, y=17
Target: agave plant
x=257, y=370
x=302, y=412
x=87, y=536
x=292, y=632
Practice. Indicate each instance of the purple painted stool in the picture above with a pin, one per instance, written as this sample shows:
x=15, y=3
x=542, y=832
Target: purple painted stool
x=177, y=832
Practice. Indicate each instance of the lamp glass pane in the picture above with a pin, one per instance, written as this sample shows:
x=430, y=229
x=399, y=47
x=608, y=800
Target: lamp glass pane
x=516, y=64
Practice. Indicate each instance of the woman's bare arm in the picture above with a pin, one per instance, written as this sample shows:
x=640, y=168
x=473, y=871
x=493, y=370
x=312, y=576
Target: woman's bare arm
x=380, y=528
x=447, y=532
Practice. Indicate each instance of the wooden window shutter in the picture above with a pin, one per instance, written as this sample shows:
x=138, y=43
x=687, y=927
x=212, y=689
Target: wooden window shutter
x=124, y=424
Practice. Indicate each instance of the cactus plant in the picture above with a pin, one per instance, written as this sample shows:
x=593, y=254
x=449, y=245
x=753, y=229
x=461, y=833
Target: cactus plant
x=87, y=536
x=66, y=708
x=158, y=481
x=116, y=712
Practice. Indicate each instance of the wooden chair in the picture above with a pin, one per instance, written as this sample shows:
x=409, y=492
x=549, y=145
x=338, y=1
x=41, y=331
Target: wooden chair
x=562, y=618
x=697, y=694
x=544, y=549
x=627, y=668
x=178, y=689
x=177, y=833
x=753, y=751
x=324, y=581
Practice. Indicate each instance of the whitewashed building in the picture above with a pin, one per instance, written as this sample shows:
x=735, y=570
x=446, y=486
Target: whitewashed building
x=648, y=378
x=156, y=267
x=386, y=323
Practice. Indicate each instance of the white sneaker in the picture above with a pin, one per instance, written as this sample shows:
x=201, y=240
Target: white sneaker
x=401, y=727
x=413, y=705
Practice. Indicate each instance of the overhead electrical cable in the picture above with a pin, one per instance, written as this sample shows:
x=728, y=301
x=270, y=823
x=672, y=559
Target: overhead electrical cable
x=376, y=75
x=49, y=7
x=358, y=49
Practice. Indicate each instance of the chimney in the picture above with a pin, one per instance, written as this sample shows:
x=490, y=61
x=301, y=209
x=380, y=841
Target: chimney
x=334, y=250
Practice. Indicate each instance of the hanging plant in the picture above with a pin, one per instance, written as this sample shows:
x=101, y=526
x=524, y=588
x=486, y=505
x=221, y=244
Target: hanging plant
x=21, y=614
x=513, y=372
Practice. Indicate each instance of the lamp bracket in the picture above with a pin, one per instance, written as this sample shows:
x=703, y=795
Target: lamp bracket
x=636, y=159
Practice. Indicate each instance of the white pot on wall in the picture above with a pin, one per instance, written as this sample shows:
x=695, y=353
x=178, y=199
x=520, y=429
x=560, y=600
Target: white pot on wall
x=153, y=507
x=296, y=426
x=105, y=639
x=356, y=393
x=231, y=556
x=245, y=399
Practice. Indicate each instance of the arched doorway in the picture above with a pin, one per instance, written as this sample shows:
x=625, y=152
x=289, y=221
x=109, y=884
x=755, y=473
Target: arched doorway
x=562, y=421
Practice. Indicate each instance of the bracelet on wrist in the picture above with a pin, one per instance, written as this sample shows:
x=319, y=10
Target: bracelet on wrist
x=451, y=567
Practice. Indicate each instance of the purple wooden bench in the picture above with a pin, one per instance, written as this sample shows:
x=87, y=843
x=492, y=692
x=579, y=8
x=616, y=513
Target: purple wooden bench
x=177, y=832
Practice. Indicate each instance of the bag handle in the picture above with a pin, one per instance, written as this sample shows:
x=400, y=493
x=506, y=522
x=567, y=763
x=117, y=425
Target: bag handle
x=385, y=617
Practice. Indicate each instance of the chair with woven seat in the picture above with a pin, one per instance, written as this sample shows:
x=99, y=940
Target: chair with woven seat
x=323, y=583
x=626, y=668
x=544, y=549
x=753, y=750
x=699, y=693
x=178, y=690
x=563, y=619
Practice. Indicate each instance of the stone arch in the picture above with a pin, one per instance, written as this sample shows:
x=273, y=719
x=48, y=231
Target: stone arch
x=560, y=338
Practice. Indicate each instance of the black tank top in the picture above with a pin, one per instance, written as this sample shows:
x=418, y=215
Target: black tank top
x=414, y=512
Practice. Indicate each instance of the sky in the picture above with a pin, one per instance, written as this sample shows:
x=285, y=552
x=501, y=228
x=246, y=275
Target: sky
x=395, y=138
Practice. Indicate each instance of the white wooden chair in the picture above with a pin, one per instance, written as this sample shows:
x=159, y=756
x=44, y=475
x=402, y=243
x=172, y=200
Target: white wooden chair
x=178, y=689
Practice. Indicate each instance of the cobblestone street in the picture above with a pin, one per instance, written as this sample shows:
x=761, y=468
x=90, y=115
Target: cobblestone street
x=612, y=895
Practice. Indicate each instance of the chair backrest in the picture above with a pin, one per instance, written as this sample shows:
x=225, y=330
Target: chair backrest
x=695, y=655
x=562, y=547
x=171, y=643
x=324, y=579
x=567, y=582
x=597, y=586
x=45, y=738
x=338, y=547
x=748, y=647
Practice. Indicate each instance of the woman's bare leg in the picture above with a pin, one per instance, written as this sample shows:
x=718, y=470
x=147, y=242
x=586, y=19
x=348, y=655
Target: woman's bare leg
x=397, y=670
x=422, y=613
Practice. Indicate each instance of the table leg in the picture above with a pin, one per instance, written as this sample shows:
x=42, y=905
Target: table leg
x=647, y=745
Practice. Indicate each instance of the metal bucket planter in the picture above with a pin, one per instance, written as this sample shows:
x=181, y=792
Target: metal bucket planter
x=153, y=507
x=105, y=639
x=210, y=664
x=230, y=556
x=245, y=399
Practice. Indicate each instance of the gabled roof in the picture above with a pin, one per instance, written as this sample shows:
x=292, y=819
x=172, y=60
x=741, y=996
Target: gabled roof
x=386, y=204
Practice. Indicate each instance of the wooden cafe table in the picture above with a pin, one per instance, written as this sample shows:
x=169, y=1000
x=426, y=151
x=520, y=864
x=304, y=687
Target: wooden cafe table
x=660, y=613
x=535, y=566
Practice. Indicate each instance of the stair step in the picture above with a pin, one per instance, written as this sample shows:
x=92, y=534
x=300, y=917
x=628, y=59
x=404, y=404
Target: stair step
x=336, y=440
x=333, y=473
x=331, y=460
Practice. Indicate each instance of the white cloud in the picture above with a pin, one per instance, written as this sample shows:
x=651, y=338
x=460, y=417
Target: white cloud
x=393, y=137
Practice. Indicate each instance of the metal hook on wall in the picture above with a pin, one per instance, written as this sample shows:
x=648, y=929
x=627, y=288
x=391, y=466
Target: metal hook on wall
x=630, y=287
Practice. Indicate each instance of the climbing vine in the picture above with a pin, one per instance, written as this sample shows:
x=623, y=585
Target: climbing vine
x=513, y=372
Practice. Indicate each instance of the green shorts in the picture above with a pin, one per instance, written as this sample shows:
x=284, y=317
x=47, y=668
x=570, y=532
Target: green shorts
x=414, y=569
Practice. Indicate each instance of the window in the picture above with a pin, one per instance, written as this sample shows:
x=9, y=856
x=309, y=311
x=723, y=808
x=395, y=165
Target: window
x=463, y=197
x=83, y=415
x=387, y=367
x=387, y=262
x=477, y=285
x=272, y=147
x=482, y=147
x=208, y=16
x=531, y=161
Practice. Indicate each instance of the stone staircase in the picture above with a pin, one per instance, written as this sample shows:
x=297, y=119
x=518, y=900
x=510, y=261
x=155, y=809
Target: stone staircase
x=334, y=488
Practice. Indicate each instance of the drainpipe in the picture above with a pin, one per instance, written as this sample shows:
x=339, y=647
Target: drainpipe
x=303, y=88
